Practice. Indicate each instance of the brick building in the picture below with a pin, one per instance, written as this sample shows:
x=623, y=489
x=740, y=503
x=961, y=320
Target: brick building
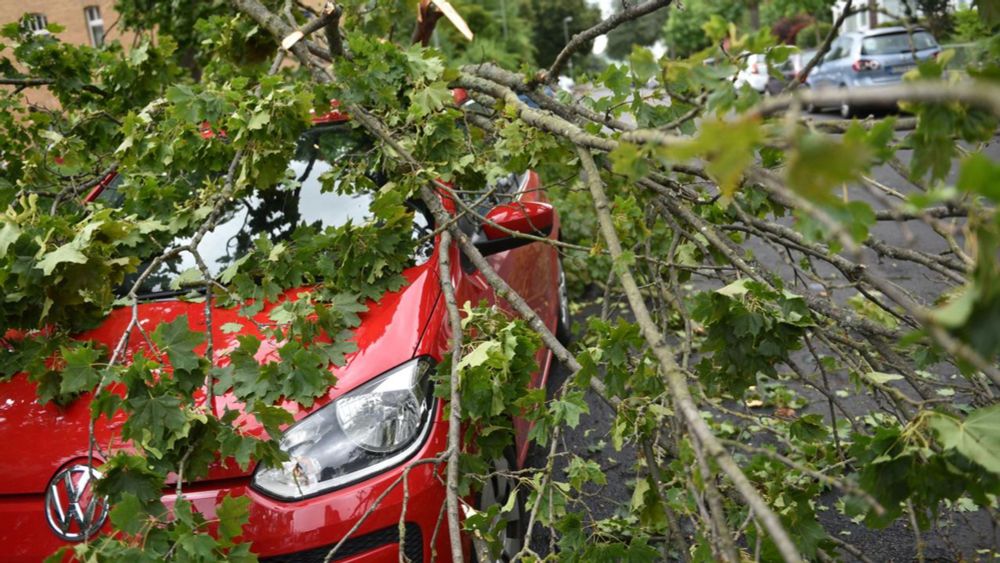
x=86, y=22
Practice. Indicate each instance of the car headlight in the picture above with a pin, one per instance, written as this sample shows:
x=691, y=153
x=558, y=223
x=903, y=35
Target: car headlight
x=363, y=432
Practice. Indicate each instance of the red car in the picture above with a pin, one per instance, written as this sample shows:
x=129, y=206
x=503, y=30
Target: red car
x=45, y=499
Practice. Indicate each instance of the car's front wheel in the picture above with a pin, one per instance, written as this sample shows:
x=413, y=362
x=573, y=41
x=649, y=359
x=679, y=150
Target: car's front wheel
x=498, y=491
x=809, y=106
x=846, y=109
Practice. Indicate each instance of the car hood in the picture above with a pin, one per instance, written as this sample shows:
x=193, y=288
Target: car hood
x=37, y=440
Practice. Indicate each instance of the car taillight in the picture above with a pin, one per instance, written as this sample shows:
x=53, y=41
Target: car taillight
x=865, y=64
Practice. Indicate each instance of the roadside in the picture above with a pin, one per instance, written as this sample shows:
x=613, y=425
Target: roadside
x=962, y=536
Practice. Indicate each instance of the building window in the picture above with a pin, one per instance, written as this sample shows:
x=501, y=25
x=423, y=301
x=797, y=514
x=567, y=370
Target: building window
x=95, y=25
x=36, y=22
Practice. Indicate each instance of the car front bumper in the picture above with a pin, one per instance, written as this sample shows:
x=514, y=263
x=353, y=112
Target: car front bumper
x=299, y=531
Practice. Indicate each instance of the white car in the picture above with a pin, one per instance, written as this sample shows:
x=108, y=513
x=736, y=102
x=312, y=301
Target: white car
x=755, y=74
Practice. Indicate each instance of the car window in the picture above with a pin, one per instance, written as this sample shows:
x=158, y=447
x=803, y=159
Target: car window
x=837, y=51
x=897, y=43
x=830, y=55
x=276, y=213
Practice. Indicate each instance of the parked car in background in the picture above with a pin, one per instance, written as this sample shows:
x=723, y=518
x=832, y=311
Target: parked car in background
x=793, y=66
x=756, y=74
x=873, y=57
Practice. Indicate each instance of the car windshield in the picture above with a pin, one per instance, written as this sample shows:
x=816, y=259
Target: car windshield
x=897, y=43
x=277, y=212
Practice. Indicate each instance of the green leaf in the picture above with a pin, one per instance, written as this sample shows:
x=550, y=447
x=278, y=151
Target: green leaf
x=735, y=289
x=957, y=310
x=726, y=145
x=233, y=514
x=185, y=102
x=155, y=421
x=882, y=378
x=430, y=99
x=639, y=494
x=581, y=471
x=8, y=235
x=569, y=408
x=179, y=341
x=258, y=120
x=65, y=253
x=188, y=277
x=643, y=63
x=979, y=174
x=479, y=355
x=808, y=428
x=630, y=160
x=128, y=514
x=126, y=474
x=819, y=163
x=78, y=373
x=977, y=437
x=198, y=547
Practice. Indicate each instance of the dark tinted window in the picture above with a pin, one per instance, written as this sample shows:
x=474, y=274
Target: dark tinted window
x=276, y=213
x=897, y=43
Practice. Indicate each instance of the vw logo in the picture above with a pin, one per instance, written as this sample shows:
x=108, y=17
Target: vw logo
x=73, y=511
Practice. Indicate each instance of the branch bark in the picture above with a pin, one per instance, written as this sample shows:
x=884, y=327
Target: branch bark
x=974, y=93
x=455, y=402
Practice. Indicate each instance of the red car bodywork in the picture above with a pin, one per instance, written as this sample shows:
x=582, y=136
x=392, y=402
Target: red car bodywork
x=37, y=441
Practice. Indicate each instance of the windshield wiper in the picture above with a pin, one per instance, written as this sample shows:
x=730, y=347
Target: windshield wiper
x=167, y=293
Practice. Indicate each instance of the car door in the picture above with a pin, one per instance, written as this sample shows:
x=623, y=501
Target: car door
x=840, y=68
x=817, y=77
x=531, y=270
x=827, y=69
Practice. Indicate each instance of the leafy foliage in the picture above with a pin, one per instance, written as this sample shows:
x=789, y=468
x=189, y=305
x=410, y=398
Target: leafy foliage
x=755, y=238
x=546, y=17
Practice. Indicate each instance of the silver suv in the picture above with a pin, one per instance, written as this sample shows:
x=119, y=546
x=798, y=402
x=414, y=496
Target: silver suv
x=872, y=58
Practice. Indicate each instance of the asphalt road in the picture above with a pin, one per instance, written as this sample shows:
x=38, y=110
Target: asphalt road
x=960, y=537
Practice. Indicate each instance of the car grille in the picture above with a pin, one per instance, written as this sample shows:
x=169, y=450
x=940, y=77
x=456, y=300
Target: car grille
x=414, y=548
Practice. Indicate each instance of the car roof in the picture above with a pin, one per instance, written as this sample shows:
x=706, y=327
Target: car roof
x=888, y=30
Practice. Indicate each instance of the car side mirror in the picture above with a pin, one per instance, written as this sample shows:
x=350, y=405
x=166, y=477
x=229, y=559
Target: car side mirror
x=508, y=220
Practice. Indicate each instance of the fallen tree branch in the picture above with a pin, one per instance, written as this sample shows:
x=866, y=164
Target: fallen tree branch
x=332, y=30
x=28, y=82
x=455, y=401
x=975, y=93
x=674, y=377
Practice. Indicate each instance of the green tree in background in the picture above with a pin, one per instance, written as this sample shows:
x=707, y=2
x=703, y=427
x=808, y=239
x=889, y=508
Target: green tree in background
x=936, y=15
x=644, y=31
x=548, y=16
x=503, y=35
x=683, y=32
x=774, y=10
